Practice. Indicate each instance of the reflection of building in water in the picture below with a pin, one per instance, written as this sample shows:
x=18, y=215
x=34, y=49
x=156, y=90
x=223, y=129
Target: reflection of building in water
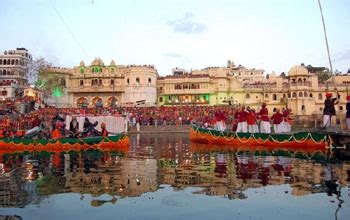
x=229, y=175
x=12, y=193
x=10, y=217
x=139, y=176
x=113, y=175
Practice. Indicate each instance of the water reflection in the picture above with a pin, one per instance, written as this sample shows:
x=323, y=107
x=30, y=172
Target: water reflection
x=155, y=160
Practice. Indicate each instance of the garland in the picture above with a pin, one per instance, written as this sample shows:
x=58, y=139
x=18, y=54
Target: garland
x=300, y=137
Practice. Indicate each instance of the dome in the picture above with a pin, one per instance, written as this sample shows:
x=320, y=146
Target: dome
x=112, y=63
x=299, y=70
x=82, y=64
x=97, y=62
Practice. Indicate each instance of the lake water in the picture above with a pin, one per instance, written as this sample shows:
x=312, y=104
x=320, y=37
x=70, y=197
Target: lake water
x=165, y=176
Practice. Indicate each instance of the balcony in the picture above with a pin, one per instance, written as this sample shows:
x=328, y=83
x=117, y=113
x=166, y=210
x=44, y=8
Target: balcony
x=92, y=89
x=300, y=85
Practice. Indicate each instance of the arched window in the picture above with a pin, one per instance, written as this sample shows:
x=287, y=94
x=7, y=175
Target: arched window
x=16, y=62
x=294, y=95
x=128, y=81
x=320, y=97
x=300, y=81
x=288, y=95
x=8, y=62
x=247, y=96
x=340, y=108
x=12, y=62
x=4, y=62
x=266, y=95
x=274, y=97
x=137, y=80
x=100, y=82
x=4, y=72
x=310, y=95
x=300, y=94
x=305, y=94
x=112, y=81
x=81, y=82
x=303, y=108
x=0, y=62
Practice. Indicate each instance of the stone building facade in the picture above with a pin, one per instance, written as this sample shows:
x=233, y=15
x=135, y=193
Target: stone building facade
x=106, y=85
x=299, y=90
x=13, y=69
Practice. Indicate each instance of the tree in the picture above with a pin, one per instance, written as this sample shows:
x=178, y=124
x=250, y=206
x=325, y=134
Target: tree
x=34, y=68
x=323, y=76
x=50, y=82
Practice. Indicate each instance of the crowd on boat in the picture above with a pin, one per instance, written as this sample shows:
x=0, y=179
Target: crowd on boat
x=246, y=119
x=50, y=122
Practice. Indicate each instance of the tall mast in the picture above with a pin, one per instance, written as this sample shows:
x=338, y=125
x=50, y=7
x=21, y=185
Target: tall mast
x=325, y=37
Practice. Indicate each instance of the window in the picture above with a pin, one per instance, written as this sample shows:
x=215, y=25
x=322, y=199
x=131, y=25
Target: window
x=127, y=81
x=310, y=95
x=0, y=62
x=267, y=96
x=294, y=95
x=149, y=80
x=300, y=94
x=247, y=96
x=100, y=82
x=160, y=99
x=274, y=97
x=112, y=81
x=137, y=80
x=320, y=96
x=303, y=108
x=4, y=93
x=81, y=82
x=63, y=82
x=12, y=62
x=288, y=95
x=305, y=94
x=340, y=108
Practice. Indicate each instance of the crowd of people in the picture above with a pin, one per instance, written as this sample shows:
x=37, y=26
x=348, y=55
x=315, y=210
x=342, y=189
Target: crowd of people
x=51, y=121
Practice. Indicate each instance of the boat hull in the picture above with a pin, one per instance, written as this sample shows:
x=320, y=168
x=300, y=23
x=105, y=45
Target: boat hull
x=13, y=145
x=301, y=140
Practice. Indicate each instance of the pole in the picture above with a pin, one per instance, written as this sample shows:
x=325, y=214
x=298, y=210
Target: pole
x=325, y=37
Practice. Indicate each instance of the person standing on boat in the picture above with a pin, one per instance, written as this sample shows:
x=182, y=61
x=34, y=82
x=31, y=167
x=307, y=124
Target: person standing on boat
x=286, y=123
x=241, y=116
x=251, y=121
x=104, y=132
x=277, y=121
x=348, y=112
x=265, y=126
x=74, y=127
x=329, y=109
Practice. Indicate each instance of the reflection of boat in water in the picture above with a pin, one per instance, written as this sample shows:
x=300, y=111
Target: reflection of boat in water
x=11, y=145
x=302, y=140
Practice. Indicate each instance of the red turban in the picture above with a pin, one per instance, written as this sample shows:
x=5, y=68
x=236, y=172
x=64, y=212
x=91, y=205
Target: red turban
x=348, y=97
x=328, y=95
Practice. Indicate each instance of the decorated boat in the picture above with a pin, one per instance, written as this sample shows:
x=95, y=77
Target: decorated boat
x=116, y=142
x=302, y=140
